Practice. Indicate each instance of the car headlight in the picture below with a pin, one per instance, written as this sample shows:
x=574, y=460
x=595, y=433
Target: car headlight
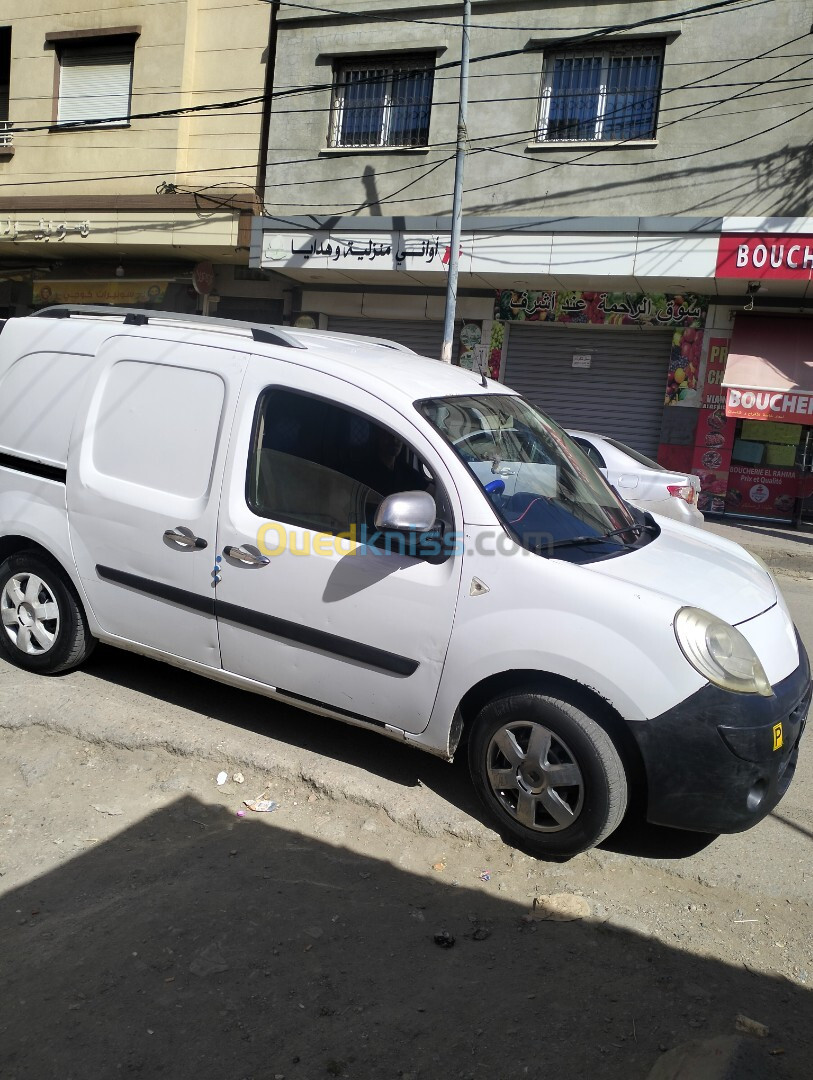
x=720, y=652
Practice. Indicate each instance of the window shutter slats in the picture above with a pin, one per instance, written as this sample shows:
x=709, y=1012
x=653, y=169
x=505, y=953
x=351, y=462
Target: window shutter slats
x=95, y=84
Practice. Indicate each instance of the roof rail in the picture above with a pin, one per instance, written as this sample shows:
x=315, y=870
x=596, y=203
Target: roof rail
x=265, y=333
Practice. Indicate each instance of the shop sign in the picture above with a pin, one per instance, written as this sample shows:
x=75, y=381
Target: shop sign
x=601, y=308
x=714, y=438
x=203, y=278
x=713, y=395
x=43, y=230
x=127, y=293
x=789, y=406
x=769, y=256
x=343, y=251
x=754, y=489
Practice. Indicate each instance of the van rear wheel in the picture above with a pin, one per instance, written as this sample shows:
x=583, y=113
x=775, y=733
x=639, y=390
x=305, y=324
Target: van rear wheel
x=42, y=625
x=547, y=773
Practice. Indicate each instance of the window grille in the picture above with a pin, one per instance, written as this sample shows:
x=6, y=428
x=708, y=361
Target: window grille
x=607, y=95
x=386, y=103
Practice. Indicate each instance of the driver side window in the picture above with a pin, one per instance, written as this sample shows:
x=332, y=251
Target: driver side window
x=324, y=467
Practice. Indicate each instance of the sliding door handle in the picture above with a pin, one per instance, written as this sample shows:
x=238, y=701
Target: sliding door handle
x=248, y=558
x=185, y=539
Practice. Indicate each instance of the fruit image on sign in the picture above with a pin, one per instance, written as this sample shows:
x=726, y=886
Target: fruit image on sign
x=684, y=364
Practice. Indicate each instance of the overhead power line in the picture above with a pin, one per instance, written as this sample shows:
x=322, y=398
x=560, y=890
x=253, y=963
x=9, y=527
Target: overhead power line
x=592, y=31
x=190, y=110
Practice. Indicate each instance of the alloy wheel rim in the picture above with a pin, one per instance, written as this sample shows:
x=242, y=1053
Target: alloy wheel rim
x=535, y=777
x=29, y=613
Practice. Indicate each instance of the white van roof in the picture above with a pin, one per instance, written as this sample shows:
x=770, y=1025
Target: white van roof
x=366, y=361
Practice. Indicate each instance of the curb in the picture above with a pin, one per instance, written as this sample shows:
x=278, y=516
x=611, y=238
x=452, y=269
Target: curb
x=418, y=809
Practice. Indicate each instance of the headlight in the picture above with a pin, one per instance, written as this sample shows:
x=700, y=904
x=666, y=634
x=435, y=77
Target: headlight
x=720, y=652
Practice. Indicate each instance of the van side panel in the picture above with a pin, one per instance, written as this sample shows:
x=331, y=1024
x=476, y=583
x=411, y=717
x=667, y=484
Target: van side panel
x=39, y=393
x=35, y=508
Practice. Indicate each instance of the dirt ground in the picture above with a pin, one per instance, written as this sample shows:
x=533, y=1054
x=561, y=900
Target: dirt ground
x=147, y=929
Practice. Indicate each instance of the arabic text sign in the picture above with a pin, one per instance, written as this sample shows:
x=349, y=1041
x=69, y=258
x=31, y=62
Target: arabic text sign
x=356, y=251
x=773, y=256
x=621, y=309
x=99, y=292
x=43, y=230
x=791, y=406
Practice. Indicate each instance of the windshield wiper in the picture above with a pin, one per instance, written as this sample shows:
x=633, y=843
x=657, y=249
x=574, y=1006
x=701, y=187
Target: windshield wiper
x=572, y=541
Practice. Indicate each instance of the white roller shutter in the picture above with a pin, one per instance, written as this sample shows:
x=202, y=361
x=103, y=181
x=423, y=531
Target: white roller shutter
x=423, y=337
x=620, y=394
x=95, y=84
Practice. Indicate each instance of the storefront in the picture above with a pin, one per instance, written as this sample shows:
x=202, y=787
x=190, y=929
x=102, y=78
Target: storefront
x=604, y=362
x=769, y=408
x=112, y=253
x=616, y=325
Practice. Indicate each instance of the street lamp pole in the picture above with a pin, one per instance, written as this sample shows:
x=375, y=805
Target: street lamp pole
x=457, y=204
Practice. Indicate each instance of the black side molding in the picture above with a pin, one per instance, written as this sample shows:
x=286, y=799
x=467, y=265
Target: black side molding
x=181, y=597
x=33, y=468
x=317, y=639
x=344, y=648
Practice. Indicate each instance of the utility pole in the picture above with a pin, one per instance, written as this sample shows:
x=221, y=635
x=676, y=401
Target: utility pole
x=457, y=204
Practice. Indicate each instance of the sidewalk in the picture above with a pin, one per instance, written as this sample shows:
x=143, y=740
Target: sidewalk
x=782, y=548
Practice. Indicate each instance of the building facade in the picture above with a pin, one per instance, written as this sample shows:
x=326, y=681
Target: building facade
x=130, y=150
x=637, y=190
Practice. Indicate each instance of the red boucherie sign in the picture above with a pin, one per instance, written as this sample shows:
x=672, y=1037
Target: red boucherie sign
x=771, y=256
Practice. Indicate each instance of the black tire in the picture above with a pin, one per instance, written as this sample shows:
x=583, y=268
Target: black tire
x=42, y=624
x=565, y=796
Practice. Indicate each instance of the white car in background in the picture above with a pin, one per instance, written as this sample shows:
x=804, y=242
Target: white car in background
x=640, y=480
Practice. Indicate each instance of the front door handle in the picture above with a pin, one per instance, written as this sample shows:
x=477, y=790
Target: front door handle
x=247, y=557
x=185, y=539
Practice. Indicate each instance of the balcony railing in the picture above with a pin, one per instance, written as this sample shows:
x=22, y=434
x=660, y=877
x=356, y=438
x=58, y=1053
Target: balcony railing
x=6, y=133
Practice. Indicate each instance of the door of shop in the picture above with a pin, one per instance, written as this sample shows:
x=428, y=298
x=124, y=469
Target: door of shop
x=619, y=392
x=422, y=336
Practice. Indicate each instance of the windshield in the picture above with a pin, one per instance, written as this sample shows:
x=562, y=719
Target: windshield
x=544, y=488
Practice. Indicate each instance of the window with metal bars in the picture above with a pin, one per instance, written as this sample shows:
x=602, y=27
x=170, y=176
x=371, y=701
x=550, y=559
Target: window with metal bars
x=601, y=95
x=382, y=102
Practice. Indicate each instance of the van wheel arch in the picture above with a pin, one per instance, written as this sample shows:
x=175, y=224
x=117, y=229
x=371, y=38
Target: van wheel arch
x=577, y=694
x=72, y=641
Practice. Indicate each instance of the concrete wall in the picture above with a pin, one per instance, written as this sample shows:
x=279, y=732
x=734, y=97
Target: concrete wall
x=748, y=157
x=189, y=52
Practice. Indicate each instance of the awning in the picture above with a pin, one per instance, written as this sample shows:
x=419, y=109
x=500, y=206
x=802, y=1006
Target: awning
x=769, y=372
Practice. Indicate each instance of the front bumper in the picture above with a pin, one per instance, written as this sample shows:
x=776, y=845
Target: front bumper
x=719, y=762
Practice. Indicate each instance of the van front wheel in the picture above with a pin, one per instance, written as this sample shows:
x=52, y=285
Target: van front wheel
x=42, y=625
x=548, y=774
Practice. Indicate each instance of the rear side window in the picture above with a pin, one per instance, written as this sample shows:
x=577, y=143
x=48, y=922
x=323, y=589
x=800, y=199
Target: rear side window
x=591, y=451
x=324, y=467
x=157, y=426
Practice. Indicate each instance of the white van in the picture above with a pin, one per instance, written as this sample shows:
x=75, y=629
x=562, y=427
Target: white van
x=293, y=512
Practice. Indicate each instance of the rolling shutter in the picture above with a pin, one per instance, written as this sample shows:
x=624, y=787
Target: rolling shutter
x=621, y=394
x=423, y=337
x=95, y=83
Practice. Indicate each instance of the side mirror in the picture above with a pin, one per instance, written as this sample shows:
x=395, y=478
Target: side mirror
x=407, y=511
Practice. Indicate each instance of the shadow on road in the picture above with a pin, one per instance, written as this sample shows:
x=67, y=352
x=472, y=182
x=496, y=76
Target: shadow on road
x=195, y=945
x=363, y=749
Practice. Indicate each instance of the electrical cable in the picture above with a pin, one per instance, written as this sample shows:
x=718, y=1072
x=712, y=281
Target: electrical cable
x=256, y=99
x=699, y=12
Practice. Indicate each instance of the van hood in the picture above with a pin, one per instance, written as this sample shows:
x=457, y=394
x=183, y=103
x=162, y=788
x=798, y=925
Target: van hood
x=696, y=569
